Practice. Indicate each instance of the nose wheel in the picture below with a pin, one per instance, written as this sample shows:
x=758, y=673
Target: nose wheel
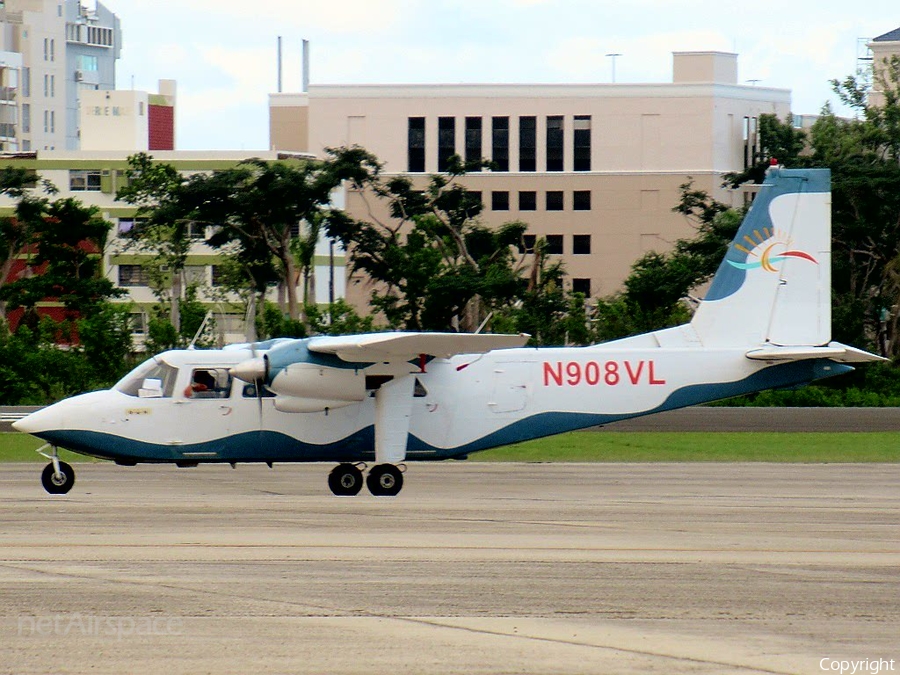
x=58, y=478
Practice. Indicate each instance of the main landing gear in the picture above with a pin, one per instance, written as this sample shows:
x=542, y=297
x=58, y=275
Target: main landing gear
x=384, y=480
x=57, y=477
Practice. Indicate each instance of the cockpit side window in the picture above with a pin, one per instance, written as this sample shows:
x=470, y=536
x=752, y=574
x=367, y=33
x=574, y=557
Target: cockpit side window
x=151, y=379
x=209, y=383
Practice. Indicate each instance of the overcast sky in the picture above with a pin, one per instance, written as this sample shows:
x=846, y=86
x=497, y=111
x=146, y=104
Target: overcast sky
x=223, y=52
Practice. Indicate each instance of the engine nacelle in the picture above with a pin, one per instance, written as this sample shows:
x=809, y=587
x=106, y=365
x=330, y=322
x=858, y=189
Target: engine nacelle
x=292, y=404
x=323, y=383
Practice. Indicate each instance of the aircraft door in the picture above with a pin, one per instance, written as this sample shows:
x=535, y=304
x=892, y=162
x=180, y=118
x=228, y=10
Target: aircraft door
x=205, y=413
x=510, y=392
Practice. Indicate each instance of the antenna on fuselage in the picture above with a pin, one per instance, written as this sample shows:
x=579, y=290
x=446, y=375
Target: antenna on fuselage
x=200, y=330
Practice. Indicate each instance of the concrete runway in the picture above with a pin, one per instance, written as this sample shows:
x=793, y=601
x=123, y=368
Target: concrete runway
x=474, y=568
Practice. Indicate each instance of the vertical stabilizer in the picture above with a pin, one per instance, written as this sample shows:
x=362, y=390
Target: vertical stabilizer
x=774, y=285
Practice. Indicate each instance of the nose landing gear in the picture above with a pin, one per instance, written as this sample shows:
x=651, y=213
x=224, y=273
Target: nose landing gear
x=57, y=477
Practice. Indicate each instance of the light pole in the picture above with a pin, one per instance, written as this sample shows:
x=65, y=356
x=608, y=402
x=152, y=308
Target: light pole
x=613, y=57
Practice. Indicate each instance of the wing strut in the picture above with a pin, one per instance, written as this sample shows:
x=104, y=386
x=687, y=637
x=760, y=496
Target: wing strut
x=393, y=409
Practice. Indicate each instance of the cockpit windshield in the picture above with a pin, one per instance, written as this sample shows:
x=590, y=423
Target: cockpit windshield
x=154, y=378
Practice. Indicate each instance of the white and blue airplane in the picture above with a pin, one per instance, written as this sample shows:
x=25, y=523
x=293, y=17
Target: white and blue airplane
x=385, y=399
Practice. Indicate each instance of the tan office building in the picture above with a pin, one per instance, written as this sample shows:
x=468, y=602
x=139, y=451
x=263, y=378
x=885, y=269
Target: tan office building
x=593, y=168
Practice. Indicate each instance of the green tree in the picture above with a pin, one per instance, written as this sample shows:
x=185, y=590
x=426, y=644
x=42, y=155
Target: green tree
x=433, y=264
x=18, y=231
x=165, y=218
x=64, y=263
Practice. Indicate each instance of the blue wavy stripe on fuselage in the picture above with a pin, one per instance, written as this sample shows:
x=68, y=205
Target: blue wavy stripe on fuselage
x=272, y=446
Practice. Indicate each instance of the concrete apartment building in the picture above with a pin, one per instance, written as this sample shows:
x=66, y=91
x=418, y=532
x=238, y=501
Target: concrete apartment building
x=593, y=168
x=882, y=49
x=93, y=177
x=128, y=119
x=50, y=52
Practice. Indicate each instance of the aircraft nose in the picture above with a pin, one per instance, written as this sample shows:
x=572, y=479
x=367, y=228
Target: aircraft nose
x=46, y=419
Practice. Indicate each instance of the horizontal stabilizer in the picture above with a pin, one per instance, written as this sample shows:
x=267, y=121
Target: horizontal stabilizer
x=407, y=346
x=834, y=351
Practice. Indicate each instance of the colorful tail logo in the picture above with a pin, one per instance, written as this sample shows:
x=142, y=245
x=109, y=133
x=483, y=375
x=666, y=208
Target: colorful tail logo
x=764, y=247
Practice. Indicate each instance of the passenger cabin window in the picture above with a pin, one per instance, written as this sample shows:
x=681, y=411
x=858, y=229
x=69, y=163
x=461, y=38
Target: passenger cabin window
x=151, y=379
x=209, y=383
x=250, y=391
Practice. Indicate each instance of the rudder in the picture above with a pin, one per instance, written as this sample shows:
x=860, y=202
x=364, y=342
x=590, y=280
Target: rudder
x=774, y=285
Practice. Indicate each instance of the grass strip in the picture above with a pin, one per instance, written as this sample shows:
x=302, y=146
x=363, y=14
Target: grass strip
x=647, y=446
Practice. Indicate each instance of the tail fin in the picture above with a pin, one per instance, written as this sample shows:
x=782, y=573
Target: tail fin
x=774, y=285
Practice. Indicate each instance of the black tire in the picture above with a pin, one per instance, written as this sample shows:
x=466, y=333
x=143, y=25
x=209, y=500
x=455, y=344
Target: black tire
x=345, y=480
x=58, y=485
x=385, y=480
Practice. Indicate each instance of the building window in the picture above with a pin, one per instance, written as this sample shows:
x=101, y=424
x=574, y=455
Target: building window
x=195, y=275
x=528, y=144
x=555, y=143
x=88, y=63
x=473, y=140
x=26, y=118
x=582, y=150
x=582, y=286
x=500, y=200
x=500, y=143
x=555, y=200
x=52, y=49
x=46, y=86
x=527, y=201
x=581, y=244
x=84, y=181
x=416, y=145
x=46, y=121
x=133, y=275
x=46, y=49
x=52, y=121
x=555, y=244
x=446, y=141
x=131, y=227
x=750, y=141
x=196, y=230
x=138, y=323
x=581, y=200
x=219, y=276
x=528, y=242
x=26, y=81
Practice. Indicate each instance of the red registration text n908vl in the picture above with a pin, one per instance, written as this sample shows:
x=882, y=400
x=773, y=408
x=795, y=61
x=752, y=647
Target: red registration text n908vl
x=597, y=373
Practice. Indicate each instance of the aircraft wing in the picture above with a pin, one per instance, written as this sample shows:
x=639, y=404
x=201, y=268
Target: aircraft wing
x=396, y=346
x=834, y=350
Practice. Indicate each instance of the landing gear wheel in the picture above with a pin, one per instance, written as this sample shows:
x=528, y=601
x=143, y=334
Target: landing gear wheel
x=345, y=480
x=58, y=484
x=385, y=480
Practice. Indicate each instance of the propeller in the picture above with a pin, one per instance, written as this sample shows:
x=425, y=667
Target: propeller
x=255, y=371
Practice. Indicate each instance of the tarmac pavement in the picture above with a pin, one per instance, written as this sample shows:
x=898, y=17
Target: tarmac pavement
x=474, y=568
